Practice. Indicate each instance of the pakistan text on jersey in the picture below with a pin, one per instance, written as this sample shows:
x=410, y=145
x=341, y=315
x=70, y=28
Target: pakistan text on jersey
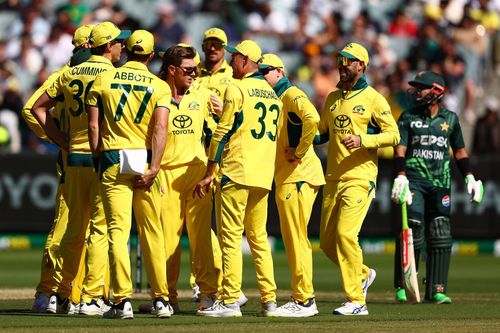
x=136, y=77
x=429, y=154
x=183, y=131
x=92, y=71
x=270, y=94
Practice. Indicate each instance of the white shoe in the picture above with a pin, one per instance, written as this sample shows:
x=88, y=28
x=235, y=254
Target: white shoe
x=372, y=274
x=58, y=304
x=269, y=309
x=242, y=300
x=122, y=310
x=163, y=309
x=196, y=293
x=351, y=309
x=146, y=307
x=296, y=309
x=73, y=309
x=40, y=303
x=206, y=302
x=94, y=308
x=219, y=309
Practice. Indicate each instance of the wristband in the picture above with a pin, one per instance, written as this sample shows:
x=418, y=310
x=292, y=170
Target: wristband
x=400, y=164
x=463, y=165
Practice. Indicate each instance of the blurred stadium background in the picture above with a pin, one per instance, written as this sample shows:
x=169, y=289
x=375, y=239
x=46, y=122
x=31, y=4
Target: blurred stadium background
x=456, y=38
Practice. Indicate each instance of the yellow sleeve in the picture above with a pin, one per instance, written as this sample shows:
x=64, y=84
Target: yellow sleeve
x=310, y=120
x=233, y=100
x=93, y=96
x=26, y=112
x=383, y=119
x=164, y=100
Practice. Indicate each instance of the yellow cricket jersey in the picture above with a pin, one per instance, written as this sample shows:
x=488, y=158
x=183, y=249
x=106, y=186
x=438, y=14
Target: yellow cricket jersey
x=297, y=127
x=189, y=124
x=128, y=96
x=74, y=85
x=56, y=113
x=361, y=111
x=244, y=142
x=216, y=81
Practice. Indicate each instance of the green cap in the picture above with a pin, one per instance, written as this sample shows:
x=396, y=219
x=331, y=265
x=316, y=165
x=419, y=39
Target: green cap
x=427, y=79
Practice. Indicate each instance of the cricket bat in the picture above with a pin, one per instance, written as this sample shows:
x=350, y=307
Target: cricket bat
x=410, y=281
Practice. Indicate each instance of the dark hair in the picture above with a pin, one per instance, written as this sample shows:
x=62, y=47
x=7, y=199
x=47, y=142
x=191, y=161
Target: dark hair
x=173, y=56
x=131, y=56
x=99, y=50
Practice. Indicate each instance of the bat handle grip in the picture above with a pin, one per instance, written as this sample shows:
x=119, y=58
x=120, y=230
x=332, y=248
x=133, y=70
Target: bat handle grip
x=404, y=216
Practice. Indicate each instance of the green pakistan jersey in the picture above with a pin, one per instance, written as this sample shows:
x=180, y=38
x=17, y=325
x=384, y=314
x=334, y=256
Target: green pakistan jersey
x=428, y=141
x=244, y=142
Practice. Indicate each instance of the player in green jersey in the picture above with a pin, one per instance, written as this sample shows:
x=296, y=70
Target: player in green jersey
x=422, y=160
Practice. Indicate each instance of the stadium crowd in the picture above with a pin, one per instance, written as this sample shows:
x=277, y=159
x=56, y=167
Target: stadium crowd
x=457, y=38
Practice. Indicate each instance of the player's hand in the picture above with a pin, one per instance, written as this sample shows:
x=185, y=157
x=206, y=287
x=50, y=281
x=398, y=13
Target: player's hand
x=475, y=189
x=216, y=105
x=146, y=180
x=203, y=187
x=290, y=155
x=351, y=141
x=401, y=191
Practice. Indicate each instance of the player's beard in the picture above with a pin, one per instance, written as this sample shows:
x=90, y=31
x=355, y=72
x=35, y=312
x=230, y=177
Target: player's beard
x=348, y=77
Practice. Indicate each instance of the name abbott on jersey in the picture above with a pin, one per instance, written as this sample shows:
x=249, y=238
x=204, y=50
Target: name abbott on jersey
x=133, y=77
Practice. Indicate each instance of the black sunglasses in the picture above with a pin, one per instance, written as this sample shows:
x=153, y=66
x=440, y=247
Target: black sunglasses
x=187, y=70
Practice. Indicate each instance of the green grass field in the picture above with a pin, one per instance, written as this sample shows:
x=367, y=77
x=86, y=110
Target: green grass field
x=474, y=286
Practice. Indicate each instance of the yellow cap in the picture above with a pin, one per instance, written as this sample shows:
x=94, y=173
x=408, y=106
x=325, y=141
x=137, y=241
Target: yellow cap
x=106, y=32
x=81, y=35
x=141, y=42
x=196, y=58
x=216, y=33
x=271, y=60
x=248, y=48
x=354, y=51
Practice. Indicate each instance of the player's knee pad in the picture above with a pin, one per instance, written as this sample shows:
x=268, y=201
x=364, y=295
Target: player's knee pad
x=439, y=233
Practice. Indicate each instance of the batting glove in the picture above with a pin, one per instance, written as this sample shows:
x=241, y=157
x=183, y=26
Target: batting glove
x=475, y=189
x=401, y=190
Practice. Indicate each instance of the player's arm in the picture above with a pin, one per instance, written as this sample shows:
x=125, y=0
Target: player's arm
x=310, y=120
x=322, y=135
x=158, y=142
x=401, y=186
x=382, y=117
x=41, y=112
x=225, y=128
x=94, y=129
x=474, y=187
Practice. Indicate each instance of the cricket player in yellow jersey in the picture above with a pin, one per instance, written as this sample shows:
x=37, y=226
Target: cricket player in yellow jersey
x=128, y=112
x=83, y=198
x=244, y=143
x=356, y=120
x=183, y=164
x=215, y=72
x=298, y=177
x=81, y=53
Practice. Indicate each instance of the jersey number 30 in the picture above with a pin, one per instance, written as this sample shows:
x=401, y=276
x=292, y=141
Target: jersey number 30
x=126, y=89
x=271, y=134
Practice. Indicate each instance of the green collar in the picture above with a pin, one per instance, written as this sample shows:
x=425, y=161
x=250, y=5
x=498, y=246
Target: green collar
x=281, y=86
x=255, y=75
x=361, y=84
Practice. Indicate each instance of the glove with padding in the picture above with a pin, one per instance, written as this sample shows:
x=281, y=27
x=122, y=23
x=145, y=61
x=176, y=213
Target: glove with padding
x=475, y=189
x=401, y=190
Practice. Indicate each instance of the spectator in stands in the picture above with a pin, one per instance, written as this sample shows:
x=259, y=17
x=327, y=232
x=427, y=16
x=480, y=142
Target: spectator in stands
x=402, y=25
x=167, y=30
x=78, y=13
x=487, y=131
x=58, y=48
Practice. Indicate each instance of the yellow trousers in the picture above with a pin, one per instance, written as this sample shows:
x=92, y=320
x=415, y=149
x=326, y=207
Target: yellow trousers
x=345, y=204
x=295, y=202
x=244, y=208
x=178, y=207
x=85, y=208
x=119, y=197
